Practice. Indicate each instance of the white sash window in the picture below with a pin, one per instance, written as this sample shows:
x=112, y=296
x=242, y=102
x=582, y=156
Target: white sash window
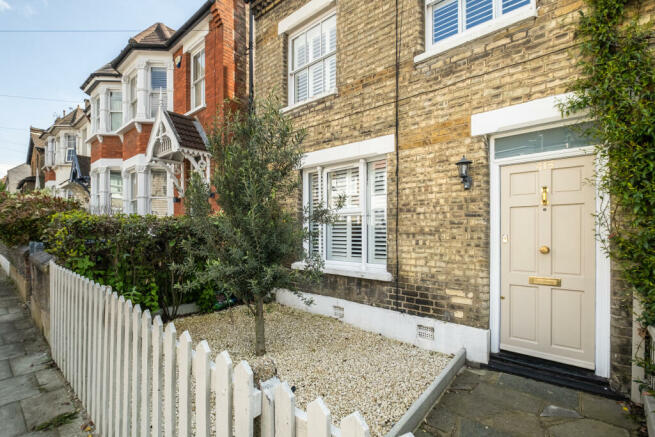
x=357, y=240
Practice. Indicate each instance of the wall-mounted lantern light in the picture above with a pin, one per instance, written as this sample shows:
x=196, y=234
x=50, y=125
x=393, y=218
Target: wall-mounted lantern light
x=463, y=166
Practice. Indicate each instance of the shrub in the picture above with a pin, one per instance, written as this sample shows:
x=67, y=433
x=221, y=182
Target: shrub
x=23, y=217
x=133, y=254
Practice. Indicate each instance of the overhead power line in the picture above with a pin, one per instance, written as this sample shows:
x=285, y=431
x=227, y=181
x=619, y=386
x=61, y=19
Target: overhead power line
x=39, y=98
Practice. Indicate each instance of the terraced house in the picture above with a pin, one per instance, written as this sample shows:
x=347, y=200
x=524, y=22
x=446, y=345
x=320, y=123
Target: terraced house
x=151, y=106
x=65, y=148
x=469, y=213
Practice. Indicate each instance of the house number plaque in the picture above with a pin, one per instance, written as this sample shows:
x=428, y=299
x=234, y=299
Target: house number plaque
x=538, y=280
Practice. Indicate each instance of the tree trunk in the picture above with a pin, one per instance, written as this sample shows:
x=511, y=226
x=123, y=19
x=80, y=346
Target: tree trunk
x=260, y=340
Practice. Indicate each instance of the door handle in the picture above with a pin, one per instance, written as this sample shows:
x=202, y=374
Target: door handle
x=544, y=249
x=544, y=196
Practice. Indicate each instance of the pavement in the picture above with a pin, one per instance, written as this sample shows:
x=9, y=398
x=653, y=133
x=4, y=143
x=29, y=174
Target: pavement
x=482, y=402
x=33, y=393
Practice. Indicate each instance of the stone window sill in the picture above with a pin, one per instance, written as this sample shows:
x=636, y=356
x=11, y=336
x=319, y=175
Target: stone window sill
x=355, y=271
x=312, y=100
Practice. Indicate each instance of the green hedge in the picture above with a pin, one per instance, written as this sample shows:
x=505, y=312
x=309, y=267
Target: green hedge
x=23, y=217
x=135, y=255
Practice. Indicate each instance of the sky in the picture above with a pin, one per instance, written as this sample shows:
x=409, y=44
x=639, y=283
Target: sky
x=49, y=47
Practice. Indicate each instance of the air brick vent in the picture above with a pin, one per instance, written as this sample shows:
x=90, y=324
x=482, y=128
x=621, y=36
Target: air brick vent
x=338, y=311
x=425, y=332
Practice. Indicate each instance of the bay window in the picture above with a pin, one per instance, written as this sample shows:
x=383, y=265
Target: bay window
x=158, y=89
x=158, y=189
x=357, y=239
x=312, y=60
x=115, y=110
x=198, y=80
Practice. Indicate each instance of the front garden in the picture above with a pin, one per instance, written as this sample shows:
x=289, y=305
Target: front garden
x=350, y=369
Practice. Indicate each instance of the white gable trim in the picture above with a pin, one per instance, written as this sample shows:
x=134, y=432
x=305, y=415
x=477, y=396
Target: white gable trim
x=529, y=114
x=350, y=152
x=307, y=12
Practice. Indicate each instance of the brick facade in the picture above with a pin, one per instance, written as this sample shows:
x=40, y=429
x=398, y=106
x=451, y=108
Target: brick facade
x=442, y=231
x=110, y=148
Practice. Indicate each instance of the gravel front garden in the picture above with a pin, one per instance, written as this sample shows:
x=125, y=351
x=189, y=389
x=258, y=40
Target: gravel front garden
x=348, y=368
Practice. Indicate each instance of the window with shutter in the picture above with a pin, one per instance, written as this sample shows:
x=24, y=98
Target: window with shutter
x=312, y=63
x=445, y=19
x=158, y=89
x=358, y=236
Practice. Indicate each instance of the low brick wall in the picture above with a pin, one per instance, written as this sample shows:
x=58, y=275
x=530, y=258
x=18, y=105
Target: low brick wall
x=30, y=273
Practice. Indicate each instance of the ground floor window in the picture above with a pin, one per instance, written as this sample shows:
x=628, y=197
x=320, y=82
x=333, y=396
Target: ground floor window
x=133, y=193
x=158, y=192
x=116, y=190
x=359, y=235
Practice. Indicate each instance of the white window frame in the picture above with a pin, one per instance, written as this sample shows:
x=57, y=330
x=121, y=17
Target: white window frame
x=291, y=73
x=360, y=269
x=200, y=81
x=111, y=193
x=151, y=197
x=152, y=92
x=133, y=190
x=498, y=22
x=110, y=112
x=133, y=96
x=69, y=148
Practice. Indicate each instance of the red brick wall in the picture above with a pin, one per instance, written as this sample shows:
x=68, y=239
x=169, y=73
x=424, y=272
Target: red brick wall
x=135, y=142
x=182, y=83
x=111, y=147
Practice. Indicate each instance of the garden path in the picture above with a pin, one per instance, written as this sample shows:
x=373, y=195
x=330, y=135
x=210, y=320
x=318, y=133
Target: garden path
x=33, y=392
x=486, y=403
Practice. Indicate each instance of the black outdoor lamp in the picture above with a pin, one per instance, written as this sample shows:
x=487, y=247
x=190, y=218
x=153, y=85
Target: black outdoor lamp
x=463, y=168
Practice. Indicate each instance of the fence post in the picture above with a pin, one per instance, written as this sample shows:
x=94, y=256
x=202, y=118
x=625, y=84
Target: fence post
x=247, y=401
x=157, y=376
x=222, y=387
x=354, y=426
x=118, y=363
x=268, y=407
x=201, y=373
x=136, y=369
x=106, y=362
x=184, y=384
x=319, y=420
x=127, y=368
x=146, y=372
x=170, y=375
x=53, y=309
x=285, y=411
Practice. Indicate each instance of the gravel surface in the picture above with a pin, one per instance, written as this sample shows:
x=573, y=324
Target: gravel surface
x=350, y=369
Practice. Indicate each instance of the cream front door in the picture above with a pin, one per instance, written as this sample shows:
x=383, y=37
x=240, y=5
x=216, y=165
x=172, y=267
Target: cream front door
x=548, y=260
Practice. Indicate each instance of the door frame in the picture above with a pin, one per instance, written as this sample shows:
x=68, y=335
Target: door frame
x=603, y=273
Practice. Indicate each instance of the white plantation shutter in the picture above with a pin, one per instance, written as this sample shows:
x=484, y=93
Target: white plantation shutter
x=313, y=67
x=360, y=223
x=314, y=202
x=157, y=86
x=377, y=214
x=478, y=12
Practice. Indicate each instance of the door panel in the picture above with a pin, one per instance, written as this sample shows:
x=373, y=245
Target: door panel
x=547, y=232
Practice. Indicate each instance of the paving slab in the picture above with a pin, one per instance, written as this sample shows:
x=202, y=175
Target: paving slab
x=11, y=420
x=30, y=363
x=504, y=405
x=50, y=379
x=11, y=350
x=43, y=408
x=18, y=388
x=587, y=427
x=5, y=370
x=607, y=410
x=24, y=335
x=553, y=394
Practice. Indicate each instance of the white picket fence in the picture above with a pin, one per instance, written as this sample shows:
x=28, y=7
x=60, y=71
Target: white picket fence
x=135, y=378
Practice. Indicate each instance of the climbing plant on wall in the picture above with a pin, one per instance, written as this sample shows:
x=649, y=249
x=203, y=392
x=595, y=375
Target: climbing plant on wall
x=617, y=89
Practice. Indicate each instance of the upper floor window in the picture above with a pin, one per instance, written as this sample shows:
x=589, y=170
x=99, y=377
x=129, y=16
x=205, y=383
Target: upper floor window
x=71, y=142
x=312, y=60
x=157, y=89
x=95, y=114
x=131, y=92
x=198, y=80
x=115, y=110
x=446, y=18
